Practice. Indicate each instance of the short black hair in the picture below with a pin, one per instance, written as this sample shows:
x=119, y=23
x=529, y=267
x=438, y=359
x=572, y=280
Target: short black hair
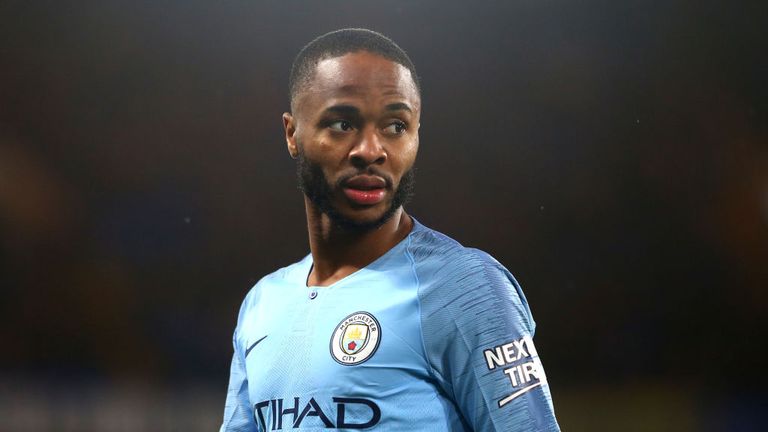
x=338, y=43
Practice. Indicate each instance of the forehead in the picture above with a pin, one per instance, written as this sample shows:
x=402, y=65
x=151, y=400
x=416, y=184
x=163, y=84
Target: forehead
x=359, y=75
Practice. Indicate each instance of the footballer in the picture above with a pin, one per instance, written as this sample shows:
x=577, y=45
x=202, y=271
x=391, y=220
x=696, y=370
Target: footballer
x=386, y=324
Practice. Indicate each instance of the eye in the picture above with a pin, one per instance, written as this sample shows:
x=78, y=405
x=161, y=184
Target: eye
x=395, y=128
x=340, y=126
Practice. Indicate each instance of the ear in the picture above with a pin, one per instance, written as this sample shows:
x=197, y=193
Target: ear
x=289, y=124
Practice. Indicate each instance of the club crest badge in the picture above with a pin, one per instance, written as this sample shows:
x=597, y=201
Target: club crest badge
x=355, y=339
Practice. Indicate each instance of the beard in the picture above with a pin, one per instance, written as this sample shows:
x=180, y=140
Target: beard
x=315, y=185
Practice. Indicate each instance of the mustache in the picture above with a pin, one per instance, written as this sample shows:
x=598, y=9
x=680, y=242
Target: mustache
x=371, y=171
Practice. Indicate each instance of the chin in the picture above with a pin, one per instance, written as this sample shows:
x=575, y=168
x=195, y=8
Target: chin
x=365, y=218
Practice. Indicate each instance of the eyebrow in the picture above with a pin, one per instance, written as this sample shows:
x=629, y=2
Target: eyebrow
x=353, y=110
x=399, y=106
x=343, y=109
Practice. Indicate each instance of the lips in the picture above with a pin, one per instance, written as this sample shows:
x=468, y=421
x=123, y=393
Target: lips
x=365, y=189
x=366, y=182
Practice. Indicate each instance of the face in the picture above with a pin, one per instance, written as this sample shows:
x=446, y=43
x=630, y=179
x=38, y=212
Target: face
x=354, y=131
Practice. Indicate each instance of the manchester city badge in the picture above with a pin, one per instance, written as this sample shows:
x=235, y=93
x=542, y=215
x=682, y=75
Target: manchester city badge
x=355, y=339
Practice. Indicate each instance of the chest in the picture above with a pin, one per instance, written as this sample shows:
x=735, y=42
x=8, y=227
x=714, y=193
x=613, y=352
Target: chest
x=360, y=339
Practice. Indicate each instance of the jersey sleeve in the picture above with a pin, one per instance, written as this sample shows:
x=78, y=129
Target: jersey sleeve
x=478, y=338
x=238, y=415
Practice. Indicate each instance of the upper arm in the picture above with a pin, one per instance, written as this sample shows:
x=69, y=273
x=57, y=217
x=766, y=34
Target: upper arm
x=238, y=412
x=237, y=409
x=478, y=331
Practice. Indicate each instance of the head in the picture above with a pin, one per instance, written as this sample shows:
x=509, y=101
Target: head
x=353, y=126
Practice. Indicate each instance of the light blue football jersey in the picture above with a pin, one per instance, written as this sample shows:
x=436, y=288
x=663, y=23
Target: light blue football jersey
x=432, y=336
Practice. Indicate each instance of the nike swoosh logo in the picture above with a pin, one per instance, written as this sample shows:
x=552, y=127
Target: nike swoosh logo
x=253, y=345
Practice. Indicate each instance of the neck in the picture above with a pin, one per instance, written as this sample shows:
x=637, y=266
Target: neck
x=338, y=252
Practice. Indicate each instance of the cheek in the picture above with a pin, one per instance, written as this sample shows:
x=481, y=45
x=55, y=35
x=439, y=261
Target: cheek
x=407, y=155
x=323, y=154
x=323, y=147
x=316, y=149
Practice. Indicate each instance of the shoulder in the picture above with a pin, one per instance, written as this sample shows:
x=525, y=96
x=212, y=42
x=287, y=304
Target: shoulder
x=272, y=284
x=439, y=257
x=429, y=244
x=457, y=280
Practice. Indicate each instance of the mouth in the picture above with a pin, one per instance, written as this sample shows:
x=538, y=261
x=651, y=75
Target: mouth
x=365, y=190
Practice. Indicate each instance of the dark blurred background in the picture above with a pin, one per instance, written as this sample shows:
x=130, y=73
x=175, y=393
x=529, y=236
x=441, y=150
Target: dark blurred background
x=613, y=155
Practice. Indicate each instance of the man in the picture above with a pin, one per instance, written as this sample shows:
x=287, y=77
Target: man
x=386, y=324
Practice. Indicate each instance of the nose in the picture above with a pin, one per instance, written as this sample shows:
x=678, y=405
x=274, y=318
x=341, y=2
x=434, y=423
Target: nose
x=368, y=150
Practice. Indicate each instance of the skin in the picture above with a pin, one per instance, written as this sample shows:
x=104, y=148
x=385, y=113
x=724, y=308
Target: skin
x=376, y=133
